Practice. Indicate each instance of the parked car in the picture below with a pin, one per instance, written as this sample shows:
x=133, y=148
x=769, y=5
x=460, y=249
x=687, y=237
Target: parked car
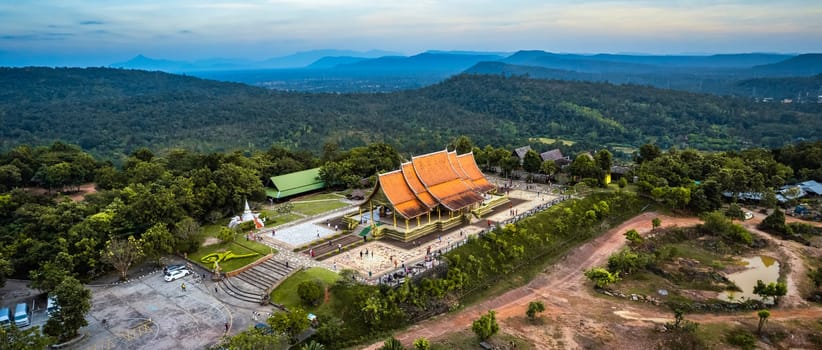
x=171, y=268
x=176, y=274
x=51, y=305
x=748, y=215
x=22, y=315
x=5, y=317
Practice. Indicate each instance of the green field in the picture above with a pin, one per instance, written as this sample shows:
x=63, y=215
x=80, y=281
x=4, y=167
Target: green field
x=286, y=292
x=320, y=196
x=314, y=208
x=276, y=219
x=550, y=141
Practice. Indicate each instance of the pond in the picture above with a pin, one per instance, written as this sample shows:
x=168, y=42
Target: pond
x=763, y=268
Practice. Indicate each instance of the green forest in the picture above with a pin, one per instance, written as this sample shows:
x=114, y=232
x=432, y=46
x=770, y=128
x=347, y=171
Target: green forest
x=111, y=113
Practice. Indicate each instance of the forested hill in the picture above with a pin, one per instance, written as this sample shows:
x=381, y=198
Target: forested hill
x=111, y=112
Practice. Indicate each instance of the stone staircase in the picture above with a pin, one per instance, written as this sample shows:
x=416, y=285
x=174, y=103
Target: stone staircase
x=325, y=250
x=253, y=284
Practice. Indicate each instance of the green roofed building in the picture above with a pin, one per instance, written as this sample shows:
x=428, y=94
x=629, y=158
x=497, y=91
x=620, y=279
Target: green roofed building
x=295, y=183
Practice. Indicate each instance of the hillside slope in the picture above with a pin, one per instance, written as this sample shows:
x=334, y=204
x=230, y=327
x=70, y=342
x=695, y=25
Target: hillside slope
x=110, y=112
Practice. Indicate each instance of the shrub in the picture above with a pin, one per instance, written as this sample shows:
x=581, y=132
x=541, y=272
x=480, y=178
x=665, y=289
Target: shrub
x=422, y=344
x=601, y=277
x=534, y=307
x=741, y=338
x=486, y=326
x=310, y=292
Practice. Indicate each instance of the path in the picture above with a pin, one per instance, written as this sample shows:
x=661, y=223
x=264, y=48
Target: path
x=568, y=298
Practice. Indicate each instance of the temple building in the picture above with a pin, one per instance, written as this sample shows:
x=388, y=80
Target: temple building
x=432, y=192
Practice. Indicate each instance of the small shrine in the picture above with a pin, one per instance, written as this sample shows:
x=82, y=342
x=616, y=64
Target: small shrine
x=246, y=217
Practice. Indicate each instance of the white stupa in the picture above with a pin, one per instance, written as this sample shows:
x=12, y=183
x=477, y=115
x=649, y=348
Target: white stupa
x=246, y=217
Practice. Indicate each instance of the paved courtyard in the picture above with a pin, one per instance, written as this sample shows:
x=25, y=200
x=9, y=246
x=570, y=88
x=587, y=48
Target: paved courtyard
x=150, y=313
x=303, y=233
x=385, y=255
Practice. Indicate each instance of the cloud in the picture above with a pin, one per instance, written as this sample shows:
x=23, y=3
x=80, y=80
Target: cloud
x=92, y=23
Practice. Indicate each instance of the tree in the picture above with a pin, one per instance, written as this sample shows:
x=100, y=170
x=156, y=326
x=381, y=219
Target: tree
x=763, y=318
x=121, y=254
x=604, y=160
x=392, y=344
x=290, y=323
x=633, y=237
x=548, y=167
x=157, y=241
x=648, y=152
x=735, y=212
x=16, y=338
x=601, y=277
x=225, y=234
x=508, y=164
x=52, y=273
x=5, y=270
x=773, y=290
x=655, y=223
x=531, y=162
x=774, y=223
x=486, y=326
x=769, y=199
x=186, y=232
x=622, y=183
x=584, y=167
x=310, y=292
x=462, y=145
x=73, y=303
x=422, y=344
x=534, y=308
x=255, y=338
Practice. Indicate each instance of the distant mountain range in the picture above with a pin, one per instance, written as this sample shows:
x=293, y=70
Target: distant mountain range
x=297, y=60
x=381, y=71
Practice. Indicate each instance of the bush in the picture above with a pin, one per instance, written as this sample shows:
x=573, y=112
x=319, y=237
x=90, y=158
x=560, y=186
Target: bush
x=486, y=326
x=310, y=292
x=742, y=338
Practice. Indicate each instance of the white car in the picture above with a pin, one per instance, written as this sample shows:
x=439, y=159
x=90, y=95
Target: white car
x=177, y=274
x=748, y=215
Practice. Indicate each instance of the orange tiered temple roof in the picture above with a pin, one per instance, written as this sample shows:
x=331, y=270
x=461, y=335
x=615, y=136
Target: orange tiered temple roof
x=402, y=197
x=417, y=186
x=452, y=158
x=469, y=166
x=442, y=181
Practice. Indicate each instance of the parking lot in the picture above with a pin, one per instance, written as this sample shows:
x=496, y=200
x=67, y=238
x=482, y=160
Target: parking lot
x=150, y=313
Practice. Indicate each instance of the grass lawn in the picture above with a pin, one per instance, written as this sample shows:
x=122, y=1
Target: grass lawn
x=320, y=196
x=234, y=247
x=286, y=292
x=276, y=219
x=314, y=208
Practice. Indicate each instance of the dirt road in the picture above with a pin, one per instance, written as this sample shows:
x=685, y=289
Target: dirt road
x=575, y=311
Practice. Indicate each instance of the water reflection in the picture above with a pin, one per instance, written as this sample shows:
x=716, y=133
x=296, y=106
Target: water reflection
x=763, y=268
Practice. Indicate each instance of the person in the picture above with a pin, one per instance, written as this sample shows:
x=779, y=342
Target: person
x=286, y=263
x=226, y=327
x=360, y=254
x=215, y=290
x=183, y=286
x=335, y=266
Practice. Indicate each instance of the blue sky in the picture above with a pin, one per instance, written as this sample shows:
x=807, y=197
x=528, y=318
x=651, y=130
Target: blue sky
x=99, y=32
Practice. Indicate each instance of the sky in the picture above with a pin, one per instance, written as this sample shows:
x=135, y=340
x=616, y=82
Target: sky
x=101, y=32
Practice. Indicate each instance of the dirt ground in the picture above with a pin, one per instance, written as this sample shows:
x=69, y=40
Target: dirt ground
x=579, y=318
